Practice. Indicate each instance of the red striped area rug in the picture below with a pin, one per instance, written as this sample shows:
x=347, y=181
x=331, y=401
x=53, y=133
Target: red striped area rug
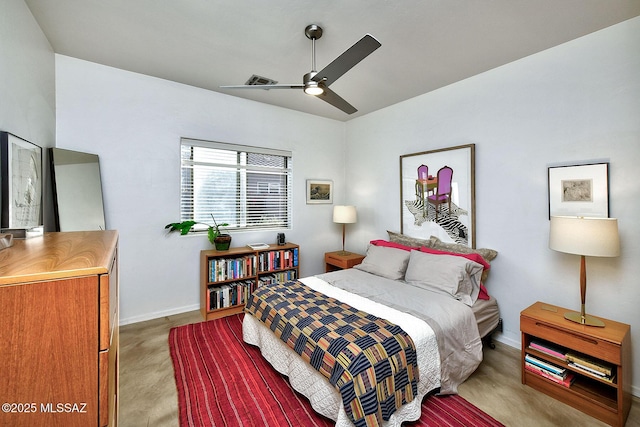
x=222, y=381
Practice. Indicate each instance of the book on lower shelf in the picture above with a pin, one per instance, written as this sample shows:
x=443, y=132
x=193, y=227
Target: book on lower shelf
x=549, y=367
x=278, y=277
x=589, y=364
x=229, y=295
x=565, y=380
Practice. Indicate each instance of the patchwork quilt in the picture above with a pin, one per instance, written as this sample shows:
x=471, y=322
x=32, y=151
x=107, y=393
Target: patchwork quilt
x=372, y=362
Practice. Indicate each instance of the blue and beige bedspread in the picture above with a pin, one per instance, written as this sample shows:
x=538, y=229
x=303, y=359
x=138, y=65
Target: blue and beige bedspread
x=371, y=361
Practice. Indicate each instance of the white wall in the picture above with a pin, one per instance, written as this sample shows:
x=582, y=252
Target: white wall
x=27, y=83
x=578, y=102
x=134, y=123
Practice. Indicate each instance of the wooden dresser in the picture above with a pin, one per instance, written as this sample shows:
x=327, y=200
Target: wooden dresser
x=59, y=330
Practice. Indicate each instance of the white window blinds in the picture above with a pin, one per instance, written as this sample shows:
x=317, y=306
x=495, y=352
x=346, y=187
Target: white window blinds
x=247, y=187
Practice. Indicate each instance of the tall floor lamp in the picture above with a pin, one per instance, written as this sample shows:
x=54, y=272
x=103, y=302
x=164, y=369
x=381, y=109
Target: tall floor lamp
x=344, y=215
x=585, y=237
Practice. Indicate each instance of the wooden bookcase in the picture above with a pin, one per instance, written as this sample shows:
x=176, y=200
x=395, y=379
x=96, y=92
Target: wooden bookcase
x=609, y=401
x=236, y=272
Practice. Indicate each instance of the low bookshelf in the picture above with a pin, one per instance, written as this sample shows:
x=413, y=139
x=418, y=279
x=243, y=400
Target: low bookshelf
x=583, y=366
x=227, y=278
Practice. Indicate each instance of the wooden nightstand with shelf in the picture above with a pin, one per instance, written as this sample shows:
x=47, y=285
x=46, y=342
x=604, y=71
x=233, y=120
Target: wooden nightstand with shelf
x=608, y=399
x=227, y=278
x=338, y=260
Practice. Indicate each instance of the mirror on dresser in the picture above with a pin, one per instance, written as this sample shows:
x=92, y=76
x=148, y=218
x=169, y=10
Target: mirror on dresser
x=77, y=190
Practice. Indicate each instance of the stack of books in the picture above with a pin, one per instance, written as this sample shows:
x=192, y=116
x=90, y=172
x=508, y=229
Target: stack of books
x=549, y=371
x=229, y=295
x=591, y=366
x=549, y=349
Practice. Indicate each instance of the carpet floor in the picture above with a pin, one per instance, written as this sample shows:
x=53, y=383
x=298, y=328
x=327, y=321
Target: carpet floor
x=222, y=381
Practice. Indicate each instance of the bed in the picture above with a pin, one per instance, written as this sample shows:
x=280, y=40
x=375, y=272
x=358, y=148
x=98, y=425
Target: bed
x=446, y=324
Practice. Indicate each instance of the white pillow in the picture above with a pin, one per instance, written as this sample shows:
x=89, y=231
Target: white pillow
x=386, y=262
x=448, y=274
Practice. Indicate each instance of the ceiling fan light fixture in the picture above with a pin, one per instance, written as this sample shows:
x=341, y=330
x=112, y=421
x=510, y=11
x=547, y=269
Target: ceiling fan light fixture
x=313, y=89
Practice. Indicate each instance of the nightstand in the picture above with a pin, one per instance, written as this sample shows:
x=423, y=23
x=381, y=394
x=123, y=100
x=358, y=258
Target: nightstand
x=605, y=398
x=335, y=261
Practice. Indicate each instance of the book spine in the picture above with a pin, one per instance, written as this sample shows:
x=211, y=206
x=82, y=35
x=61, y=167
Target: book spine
x=606, y=370
x=547, y=350
x=549, y=367
x=548, y=375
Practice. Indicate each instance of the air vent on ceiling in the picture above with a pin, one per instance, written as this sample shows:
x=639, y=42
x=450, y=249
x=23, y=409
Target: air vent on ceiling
x=256, y=80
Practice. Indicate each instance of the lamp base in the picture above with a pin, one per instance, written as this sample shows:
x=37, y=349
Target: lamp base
x=343, y=253
x=588, y=320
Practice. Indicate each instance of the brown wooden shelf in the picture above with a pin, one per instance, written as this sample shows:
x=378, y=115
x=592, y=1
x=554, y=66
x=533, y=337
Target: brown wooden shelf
x=610, y=402
x=237, y=252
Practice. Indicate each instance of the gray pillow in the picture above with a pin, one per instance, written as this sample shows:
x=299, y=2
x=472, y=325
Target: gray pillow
x=446, y=274
x=488, y=254
x=386, y=262
x=403, y=239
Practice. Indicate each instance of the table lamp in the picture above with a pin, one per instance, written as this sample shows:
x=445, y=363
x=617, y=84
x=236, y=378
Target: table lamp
x=344, y=215
x=585, y=237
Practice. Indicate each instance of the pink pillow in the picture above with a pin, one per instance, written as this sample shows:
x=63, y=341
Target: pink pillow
x=472, y=257
x=392, y=245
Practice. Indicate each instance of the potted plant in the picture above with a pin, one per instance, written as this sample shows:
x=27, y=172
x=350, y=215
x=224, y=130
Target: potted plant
x=222, y=241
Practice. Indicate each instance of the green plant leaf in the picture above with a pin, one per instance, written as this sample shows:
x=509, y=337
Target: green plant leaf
x=183, y=227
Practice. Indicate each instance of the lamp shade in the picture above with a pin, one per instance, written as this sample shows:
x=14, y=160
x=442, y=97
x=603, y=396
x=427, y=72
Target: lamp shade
x=585, y=236
x=344, y=214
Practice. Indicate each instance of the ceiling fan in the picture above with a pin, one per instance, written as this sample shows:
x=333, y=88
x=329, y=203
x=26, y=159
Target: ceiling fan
x=317, y=83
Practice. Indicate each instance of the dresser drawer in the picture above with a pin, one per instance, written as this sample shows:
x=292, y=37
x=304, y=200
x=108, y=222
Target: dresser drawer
x=583, y=343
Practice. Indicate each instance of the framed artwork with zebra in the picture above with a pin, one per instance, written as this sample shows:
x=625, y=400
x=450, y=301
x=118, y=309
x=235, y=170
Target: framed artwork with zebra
x=437, y=194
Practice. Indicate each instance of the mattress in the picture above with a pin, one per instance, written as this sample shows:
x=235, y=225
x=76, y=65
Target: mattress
x=487, y=315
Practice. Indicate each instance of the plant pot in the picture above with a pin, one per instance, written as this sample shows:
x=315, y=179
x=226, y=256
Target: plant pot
x=222, y=242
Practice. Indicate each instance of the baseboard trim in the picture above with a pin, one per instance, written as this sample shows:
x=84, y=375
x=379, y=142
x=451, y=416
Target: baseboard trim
x=158, y=314
x=506, y=340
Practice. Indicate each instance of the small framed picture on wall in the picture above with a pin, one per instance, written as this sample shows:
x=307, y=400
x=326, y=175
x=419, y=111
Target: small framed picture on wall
x=579, y=190
x=319, y=191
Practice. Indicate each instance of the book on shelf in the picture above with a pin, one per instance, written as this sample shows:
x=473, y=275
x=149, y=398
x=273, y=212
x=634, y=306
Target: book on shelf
x=590, y=364
x=278, y=277
x=549, y=349
x=258, y=246
x=593, y=373
x=221, y=269
x=558, y=370
x=229, y=295
x=277, y=259
x=566, y=380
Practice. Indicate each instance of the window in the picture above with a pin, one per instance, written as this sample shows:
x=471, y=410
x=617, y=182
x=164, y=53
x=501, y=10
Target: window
x=247, y=187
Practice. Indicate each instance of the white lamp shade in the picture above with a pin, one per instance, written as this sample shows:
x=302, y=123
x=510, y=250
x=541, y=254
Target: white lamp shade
x=585, y=236
x=344, y=214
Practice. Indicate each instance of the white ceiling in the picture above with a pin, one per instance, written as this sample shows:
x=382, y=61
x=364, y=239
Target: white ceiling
x=426, y=44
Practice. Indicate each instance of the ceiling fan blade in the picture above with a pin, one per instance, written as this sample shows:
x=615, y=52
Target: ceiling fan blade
x=265, y=87
x=343, y=63
x=334, y=99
